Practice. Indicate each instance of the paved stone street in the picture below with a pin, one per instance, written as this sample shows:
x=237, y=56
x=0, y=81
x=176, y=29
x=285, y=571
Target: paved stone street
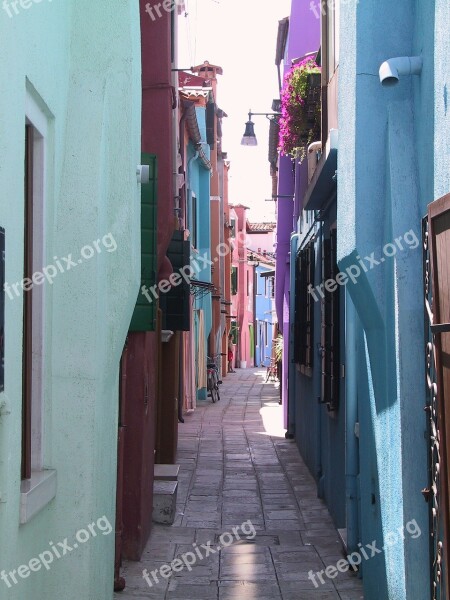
x=236, y=465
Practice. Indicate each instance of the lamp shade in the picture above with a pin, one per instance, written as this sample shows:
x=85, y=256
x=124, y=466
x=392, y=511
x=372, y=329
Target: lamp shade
x=249, y=137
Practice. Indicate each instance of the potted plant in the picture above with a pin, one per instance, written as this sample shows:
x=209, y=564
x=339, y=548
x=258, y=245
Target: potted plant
x=278, y=348
x=278, y=351
x=300, y=120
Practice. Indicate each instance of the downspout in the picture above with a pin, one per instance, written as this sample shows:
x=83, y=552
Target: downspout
x=291, y=374
x=183, y=199
x=351, y=418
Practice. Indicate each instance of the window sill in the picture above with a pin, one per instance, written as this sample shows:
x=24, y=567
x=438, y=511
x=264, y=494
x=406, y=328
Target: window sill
x=36, y=493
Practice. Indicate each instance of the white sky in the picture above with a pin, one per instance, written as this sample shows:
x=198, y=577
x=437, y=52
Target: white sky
x=240, y=36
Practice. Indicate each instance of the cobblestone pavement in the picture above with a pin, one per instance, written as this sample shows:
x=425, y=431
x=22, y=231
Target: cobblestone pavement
x=236, y=465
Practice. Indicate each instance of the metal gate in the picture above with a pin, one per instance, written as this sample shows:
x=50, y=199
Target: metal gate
x=436, y=263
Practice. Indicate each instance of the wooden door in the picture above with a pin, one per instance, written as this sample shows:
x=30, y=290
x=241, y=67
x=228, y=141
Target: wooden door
x=119, y=582
x=436, y=234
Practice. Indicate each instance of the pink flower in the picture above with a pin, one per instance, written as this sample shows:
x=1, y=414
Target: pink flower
x=293, y=123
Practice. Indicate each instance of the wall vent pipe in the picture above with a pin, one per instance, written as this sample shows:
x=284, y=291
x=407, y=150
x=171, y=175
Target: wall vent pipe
x=391, y=69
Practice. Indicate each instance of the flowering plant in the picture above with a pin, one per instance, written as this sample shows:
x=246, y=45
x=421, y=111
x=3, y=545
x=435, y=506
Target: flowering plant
x=300, y=109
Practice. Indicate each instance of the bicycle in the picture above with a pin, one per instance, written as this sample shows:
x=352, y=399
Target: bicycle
x=213, y=378
x=272, y=371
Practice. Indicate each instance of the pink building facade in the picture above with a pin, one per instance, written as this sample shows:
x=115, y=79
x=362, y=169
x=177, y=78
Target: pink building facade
x=242, y=290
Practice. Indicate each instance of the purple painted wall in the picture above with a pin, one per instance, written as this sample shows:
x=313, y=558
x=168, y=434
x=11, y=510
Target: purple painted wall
x=304, y=37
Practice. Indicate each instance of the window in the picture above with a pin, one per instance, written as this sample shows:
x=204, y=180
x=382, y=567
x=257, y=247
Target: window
x=272, y=287
x=38, y=484
x=32, y=401
x=304, y=310
x=234, y=280
x=233, y=228
x=266, y=287
x=266, y=336
x=27, y=306
x=234, y=332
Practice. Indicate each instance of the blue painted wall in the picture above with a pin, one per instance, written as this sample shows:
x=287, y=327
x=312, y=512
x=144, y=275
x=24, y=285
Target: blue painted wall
x=264, y=308
x=384, y=188
x=319, y=434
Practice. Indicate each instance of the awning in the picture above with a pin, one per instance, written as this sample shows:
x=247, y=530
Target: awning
x=201, y=288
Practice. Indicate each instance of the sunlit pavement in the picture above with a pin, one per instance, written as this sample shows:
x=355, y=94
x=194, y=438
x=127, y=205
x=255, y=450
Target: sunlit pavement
x=237, y=466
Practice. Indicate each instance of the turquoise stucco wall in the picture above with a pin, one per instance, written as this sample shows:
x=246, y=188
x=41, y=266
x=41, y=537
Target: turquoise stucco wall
x=200, y=184
x=89, y=90
x=384, y=188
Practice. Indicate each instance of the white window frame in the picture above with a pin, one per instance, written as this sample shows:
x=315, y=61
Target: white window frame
x=40, y=489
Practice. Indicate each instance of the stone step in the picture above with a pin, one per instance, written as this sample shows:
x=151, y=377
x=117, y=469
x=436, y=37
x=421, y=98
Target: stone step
x=164, y=501
x=167, y=472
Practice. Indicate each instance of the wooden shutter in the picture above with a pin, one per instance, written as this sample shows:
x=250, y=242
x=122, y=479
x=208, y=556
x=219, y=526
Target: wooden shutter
x=330, y=327
x=144, y=316
x=234, y=280
x=176, y=302
x=326, y=337
x=309, y=303
x=304, y=308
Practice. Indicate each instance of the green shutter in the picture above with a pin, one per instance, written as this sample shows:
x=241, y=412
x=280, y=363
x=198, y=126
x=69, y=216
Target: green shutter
x=234, y=331
x=234, y=281
x=144, y=316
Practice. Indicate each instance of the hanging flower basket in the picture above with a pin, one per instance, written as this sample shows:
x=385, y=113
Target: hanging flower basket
x=300, y=121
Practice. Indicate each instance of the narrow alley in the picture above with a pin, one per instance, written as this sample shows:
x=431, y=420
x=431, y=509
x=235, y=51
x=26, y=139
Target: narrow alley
x=237, y=469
